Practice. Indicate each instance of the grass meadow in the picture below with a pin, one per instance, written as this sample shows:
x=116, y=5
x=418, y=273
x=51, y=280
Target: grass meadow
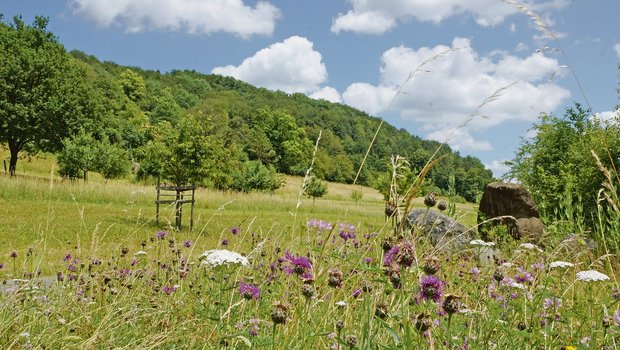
x=84, y=266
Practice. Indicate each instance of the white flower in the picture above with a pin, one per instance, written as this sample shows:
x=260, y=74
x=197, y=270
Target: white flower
x=591, y=276
x=529, y=246
x=139, y=253
x=24, y=334
x=560, y=264
x=219, y=257
x=481, y=243
x=507, y=265
x=341, y=303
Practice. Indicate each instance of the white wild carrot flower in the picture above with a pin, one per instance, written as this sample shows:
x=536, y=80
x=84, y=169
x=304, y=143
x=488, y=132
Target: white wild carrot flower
x=591, y=276
x=222, y=256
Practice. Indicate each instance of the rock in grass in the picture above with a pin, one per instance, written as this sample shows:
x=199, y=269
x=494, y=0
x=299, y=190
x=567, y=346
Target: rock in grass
x=443, y=231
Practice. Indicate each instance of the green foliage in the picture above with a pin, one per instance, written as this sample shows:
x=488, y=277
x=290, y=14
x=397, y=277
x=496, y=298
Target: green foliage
x=315, y=188
x=42, y=100
x=557, y=165
x=357, y=194
x=187, y=153
x=82, y=153
x=254, y=176
x=133, y=85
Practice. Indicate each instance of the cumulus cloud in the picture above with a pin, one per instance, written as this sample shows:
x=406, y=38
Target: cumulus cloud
x=379, y=16
x=498, y=167
x=327, y=93
x=200, y=17
x=459, y=139
x=617, y=49
x=450, y=83
x=608, y=115
x=291, y=66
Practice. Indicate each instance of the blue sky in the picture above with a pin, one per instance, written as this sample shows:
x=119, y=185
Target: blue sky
x=425, y=66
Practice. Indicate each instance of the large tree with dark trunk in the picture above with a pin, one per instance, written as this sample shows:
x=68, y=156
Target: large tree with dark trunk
x=40, y=102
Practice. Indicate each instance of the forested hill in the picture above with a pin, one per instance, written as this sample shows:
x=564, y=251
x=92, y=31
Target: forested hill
x=187, y=127
x=255, y=123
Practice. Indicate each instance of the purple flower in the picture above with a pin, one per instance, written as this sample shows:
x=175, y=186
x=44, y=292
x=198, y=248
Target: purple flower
x=1, y=265
x=13, y=254
x=357, y=293
x=224, y=242
x=296, y=264
x=169, y=289
x=368, y=260
x=552, y=303
x=538, y=266
x=523, y=276
x=347, y=232
x=67, y=257
x=431, y=288
x=187, y=243
x=249, y=291
x=161, y=234
x=401, y=254
x=475, y=272
x=234, y=230
x=254, y=327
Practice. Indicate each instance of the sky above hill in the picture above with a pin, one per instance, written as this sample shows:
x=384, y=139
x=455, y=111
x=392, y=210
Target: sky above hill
x=473, y=73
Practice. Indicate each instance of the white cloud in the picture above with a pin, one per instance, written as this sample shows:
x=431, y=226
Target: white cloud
x=200, y=17
x=459, y=140
x=447, y=89
x=327, y=93
x=498, y=167
x=379, y=16
x=617, y=49
x=608, y=115
x=291, y=66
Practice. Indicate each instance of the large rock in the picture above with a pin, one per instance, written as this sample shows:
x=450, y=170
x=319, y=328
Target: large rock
x=515, y=205
x=444, y=232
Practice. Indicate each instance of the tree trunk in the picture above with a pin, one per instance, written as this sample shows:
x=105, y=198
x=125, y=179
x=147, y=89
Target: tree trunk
x=14, y=148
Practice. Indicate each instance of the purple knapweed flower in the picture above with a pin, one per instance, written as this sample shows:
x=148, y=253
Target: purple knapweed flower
x=431, y=288
x=539, y=266
x=224, y=242
x=552, y=303
x=253, y=330
x=475, y=272
x=347, y=232
x=169, y=289
x=296, y=264
x=187, y=243
x=356, y=293
x=67, y=257
x=234, y=230
x=249, y=291
x=161, y=234
x=401, y=254
x=13, y=254
x=523, y=276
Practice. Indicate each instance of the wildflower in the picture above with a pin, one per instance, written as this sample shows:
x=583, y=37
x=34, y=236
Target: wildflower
x=187, y=244
x=341, y=304
x=430, y=200
x=279, y=313
x=591, y=276
x=552, y=303
x=161, y=234
x=67, y=257
x=431, y=288
x=13, y=254
x=296, y=264
x=381, y=310
x=234, y=230
x=523, y=276
x=568, y=347
x=431, y=265
x=401, y=254
x=616, y=318
x=139, y=253
x=509, y=282
x=356, y=293
x=254, y=327
x=249, y=291
x=422, y=323
x=169, y=289
x=560, y=264
x=585, y=341
x=481, y=243
x=529, y=246
x=219, y=257
x=347, y=232
x=368, y=260
x=224, y=242
x=335, y=278
x=538, y=266
x=351, y=341
x=307, y=290
x=451, y=304
x=442, y=205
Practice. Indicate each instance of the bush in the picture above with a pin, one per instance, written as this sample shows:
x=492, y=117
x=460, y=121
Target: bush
x=255, y=176
x=315, y=188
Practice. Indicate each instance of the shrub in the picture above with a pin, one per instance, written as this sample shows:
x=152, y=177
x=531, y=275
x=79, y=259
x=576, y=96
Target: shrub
x=255, y=176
